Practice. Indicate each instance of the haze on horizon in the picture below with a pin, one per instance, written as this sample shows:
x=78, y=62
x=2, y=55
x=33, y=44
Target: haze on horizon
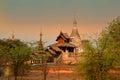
x=28, y=17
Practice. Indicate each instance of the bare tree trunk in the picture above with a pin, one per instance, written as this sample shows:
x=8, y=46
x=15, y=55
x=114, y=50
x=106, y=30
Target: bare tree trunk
x=15, y=76
x=15, y=73
x=44, y=70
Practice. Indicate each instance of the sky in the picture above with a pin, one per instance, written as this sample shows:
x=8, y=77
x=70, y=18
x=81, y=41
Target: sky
x=27, y=18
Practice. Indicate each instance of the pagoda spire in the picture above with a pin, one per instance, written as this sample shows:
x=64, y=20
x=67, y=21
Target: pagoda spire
x=75, y=36
x=40, y=36
x=75, y=32
x=75, y=22
x=40, y=41
x=13, y=36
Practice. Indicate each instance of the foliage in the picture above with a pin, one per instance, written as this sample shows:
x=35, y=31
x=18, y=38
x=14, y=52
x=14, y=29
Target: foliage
x=19, y=55
x=3, y=53
x=42, y=55
x=41, y=52
x=112, y=34
x=104, y=56
x=93, y=65
x=15, y=54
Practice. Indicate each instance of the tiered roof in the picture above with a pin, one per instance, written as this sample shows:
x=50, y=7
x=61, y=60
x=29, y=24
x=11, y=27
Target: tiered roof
x=64, y=44
x=64, y=36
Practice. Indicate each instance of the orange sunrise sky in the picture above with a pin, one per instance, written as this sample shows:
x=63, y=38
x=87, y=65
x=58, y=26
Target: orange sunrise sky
x=27, y=18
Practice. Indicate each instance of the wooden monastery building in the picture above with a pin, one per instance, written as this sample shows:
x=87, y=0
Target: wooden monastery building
x=67, y=49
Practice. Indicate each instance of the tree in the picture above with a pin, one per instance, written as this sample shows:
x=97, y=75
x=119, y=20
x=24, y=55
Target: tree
x=14, y=53
x=112, y=34
x=93, y=65
x=112, y=50
x=3, y=53
x=19, y=56
x=41, y=54
x=3, y=56
x=104, y=55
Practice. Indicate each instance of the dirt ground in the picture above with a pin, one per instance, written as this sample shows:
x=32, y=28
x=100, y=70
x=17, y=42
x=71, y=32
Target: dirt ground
x=51, y=76
x=62, y=72
x=54, y=73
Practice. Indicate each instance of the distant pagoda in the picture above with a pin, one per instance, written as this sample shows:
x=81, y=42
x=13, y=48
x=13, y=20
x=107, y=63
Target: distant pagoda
x=75, y=37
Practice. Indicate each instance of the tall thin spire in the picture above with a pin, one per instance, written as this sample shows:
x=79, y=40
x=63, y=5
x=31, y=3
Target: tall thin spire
x=75, y=22
x=75, y=32
x=40, y=41
x=75, y=36
x=13, y=36
x=40, y=36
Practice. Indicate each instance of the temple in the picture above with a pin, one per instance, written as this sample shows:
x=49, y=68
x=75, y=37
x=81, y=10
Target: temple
x=67, y=48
